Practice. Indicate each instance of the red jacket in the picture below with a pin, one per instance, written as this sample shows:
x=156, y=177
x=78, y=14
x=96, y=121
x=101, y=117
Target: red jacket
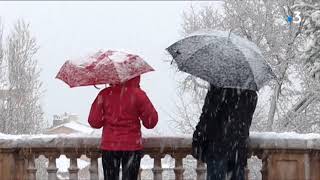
x=119, y=110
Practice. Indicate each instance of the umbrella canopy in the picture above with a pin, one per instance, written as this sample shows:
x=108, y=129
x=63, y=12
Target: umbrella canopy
x=103, y=67
x=223, y=59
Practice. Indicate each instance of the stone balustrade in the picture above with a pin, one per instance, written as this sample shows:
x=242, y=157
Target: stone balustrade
x=284, y=156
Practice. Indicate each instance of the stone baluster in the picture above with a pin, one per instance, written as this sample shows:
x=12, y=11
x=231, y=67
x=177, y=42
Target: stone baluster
x=247, y=172
x=201, y=170
x=178, y=168
x=73, y=169
x=52, y=167
x=31, y=169
x=140, y=172
x=157, y=168
x=264, y=156
x=94, y=174
x=21, y=163
x=246, y=169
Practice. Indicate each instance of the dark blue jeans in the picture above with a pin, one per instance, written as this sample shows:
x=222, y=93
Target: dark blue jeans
x=222, y=169
x=130, y=161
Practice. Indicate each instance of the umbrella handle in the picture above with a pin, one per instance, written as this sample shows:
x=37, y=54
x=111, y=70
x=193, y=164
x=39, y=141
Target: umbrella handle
x=96, y=87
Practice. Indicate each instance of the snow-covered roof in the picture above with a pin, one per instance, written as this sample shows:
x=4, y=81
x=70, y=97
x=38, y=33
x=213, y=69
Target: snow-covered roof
x=74, y=125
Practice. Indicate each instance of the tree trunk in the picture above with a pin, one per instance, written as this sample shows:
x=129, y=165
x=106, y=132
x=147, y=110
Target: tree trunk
x=273, y=107
x=275, y=97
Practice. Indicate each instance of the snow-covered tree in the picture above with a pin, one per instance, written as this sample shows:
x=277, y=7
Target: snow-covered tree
x=2, y=70
x=310, y=15
x=264, y=23
x=21, y=111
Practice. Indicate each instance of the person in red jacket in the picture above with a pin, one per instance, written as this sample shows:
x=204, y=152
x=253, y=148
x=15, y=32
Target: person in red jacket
x=119, y=109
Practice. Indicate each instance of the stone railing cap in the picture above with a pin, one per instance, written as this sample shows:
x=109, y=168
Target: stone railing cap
x=287, y=140
x=258, y=140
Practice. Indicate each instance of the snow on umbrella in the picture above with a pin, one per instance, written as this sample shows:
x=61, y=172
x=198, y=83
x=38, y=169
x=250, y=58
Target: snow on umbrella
x=109, y=67
x=223, y=59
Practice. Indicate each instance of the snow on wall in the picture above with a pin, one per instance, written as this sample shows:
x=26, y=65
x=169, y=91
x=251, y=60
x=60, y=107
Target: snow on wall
x=266, y=140
x=286, y=140
x=48, y=141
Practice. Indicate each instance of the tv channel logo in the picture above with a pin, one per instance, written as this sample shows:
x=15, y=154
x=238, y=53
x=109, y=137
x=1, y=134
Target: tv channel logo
x=296, y=18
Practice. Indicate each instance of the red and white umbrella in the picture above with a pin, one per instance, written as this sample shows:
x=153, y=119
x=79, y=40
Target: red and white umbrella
x=103, y=67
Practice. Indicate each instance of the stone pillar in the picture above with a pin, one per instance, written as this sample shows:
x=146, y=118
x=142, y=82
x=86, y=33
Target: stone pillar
x=314, y=165
x=157, y=168
x=73, y=168
x=52, y=167
x=8, y=165
x=21, y=166
x=286, y=164
x=31, y=169
x=178, y=169
x=201, y=170
x=264, y=156
x=94, y=174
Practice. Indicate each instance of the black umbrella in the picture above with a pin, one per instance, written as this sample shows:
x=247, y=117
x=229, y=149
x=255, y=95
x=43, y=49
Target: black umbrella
x=222, y=59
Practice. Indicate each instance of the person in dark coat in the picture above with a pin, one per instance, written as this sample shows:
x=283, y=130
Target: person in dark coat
x=120, y=110
x=221, y=135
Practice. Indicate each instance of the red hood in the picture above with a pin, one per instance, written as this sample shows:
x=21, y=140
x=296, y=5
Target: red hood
x=134, y=82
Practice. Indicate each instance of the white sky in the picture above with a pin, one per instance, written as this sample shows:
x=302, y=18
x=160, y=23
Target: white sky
x=72, y=29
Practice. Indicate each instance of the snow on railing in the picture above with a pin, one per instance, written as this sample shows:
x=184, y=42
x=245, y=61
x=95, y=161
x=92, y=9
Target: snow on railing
x=29, y=147
x=266, y=140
